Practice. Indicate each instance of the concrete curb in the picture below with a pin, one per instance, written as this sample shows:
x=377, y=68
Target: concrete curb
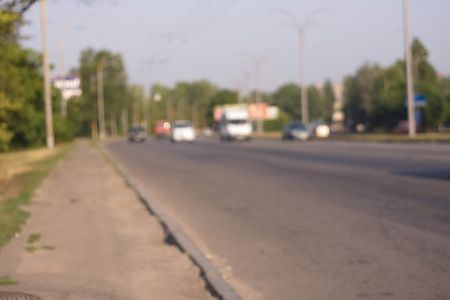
x=218, y=286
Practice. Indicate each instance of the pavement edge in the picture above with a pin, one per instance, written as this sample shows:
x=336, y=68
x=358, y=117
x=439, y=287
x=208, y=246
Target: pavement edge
x=210, y=273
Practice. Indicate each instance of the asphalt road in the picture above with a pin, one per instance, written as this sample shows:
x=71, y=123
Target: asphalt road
x=316, y=220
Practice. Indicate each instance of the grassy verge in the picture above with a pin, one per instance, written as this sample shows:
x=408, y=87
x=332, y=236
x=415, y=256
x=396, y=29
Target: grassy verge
x=21, y=173
x=6, y=280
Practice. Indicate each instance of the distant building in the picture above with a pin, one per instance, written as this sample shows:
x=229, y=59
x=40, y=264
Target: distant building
x=338, y=90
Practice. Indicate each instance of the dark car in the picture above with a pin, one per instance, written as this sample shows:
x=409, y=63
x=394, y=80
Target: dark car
x=136, y=134
x=295, y=130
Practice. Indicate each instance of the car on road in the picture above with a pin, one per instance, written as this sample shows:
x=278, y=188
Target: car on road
x=136, y=134
x=235, y=125
x=295, y=130
x=162, y=129
x=319, y=129
x=182, y=130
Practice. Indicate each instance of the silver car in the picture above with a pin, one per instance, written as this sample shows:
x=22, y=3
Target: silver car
x=295, y=130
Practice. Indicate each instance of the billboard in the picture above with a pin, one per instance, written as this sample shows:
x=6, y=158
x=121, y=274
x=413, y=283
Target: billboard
x=255, y=110
x=70, y=85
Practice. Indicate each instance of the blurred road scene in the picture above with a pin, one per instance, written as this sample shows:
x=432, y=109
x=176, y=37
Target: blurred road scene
x=236, y=150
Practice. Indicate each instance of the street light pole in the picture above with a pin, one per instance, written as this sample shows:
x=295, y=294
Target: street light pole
x=257, y=63
x=61, y=75
x=61, y=65
x=303, y=87
x=47, y=95
x=301, y=29
x=409, y=78
x=101, y=105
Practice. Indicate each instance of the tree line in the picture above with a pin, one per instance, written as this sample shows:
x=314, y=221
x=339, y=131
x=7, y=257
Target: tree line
x=375, y=97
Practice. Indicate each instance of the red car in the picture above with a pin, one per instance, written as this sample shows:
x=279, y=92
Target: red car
x=162, y=129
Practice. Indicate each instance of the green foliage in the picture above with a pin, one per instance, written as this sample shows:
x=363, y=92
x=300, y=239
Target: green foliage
x=22, y=116
x=328, y=101
x=31, y=249
x=376, y=97
x=117, y=96
x=434, y=113
x=222, y=97
x=17, y=6
x=64, y=128
x=6, y=280
x=78, y=116
x=7, y=108
x=12, y=216
x=277, y=125
x=34, y=237
x=288, y=99
x=315, y=104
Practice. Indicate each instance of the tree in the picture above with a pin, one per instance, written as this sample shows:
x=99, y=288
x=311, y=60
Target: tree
x=391, y=90
x=287, y=98
x=22, y=122
x=222, y=97
x=315, y=104
x=328, y=101
x=201, y=94
x=161, y=108
x=114, y=86
x=17, y=6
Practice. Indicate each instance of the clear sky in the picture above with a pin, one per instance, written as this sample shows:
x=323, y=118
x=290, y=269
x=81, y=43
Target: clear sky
x=186, y=40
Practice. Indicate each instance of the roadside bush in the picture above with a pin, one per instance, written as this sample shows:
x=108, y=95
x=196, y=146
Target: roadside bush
x=64, y=129
x=5, y=137
x=277, y=125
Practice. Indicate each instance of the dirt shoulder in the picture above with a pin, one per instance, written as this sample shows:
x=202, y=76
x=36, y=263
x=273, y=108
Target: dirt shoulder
x=93, y=239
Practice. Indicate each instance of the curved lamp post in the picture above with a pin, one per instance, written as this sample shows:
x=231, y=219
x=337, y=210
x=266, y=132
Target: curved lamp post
x=301, y=28
x=100, y=100
x=68, y=26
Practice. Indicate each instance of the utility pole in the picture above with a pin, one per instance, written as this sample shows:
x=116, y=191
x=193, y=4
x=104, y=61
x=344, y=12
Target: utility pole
x=301, y=29
x=146, y=104
x=47, y=92
x=62, y=75
x=169, y=108
x=101, y=104
x=409, y=78
x=113, y=126
x=303, y=84
x=124, y=121
x=259, y=123
x=257, y=63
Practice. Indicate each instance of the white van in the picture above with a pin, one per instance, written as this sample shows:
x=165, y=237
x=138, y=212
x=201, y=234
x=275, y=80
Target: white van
x=235, y=125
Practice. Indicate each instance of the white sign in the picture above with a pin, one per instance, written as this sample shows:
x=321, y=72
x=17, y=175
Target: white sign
x=70, y=86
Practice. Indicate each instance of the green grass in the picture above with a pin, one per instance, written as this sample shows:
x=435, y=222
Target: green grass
x=48, y=247
x=11, y=215
x=6, y=280
x=34, y=237
x=31, y=249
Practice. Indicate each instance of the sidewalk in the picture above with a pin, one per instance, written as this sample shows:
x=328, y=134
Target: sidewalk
x=97, y=241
